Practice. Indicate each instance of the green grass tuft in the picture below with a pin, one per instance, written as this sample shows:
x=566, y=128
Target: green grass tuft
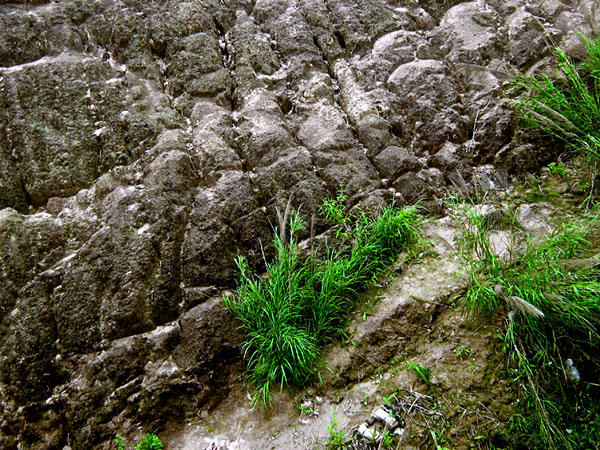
x=148, y=442
x=567, y=106
x=553, y=319
x=302, y=302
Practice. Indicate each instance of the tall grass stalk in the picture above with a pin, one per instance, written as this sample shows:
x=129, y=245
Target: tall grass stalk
x=553, y=313
x=302, y=302
x=568, y=106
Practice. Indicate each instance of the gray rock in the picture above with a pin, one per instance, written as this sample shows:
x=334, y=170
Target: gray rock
x=469, y=33
x=29, y=246
x=395, y=161
x=145, y=145
x=412, y=188
x=526, y=38
x=574, y=45
x=115, y=123
x=430, y=102
x=205, y=341
x=223, y=219
x=520, y=156
x=433, y=177
x=252, y=47
x=446, y=158
x=400, y=47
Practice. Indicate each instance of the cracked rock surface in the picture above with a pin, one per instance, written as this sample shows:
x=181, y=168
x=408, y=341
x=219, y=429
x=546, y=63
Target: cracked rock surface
x=145, y=144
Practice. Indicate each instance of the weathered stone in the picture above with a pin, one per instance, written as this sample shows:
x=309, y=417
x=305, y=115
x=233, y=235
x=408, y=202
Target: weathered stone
x=325, y=128
x=534, y=218
x=363, y=109
x=29, y=346
x=205, y=342
x=116, y=382
x=374, y=132
x=460, y=179
x=437, y=8
x=223, y=219
x=329, y=39
x=291, y=169
x=574, y=45
x=252, y=47
x=144, y=145
x=423, y=88
x=468, y=33
x=399, y=47
x=434, y=178
x=193, y=66
x=526, y=38
x=43, y=32
x=395, y=161
x=28, y=246
x=411, y=187
x=350, y=170
x=446, y=158
x=114, y=124
x=521, y=157
x=492, y=129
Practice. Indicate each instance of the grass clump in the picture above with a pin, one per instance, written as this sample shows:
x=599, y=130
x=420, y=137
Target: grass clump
x=568, y=106
x=302, y=302
x=552, y=335
x=148, y=442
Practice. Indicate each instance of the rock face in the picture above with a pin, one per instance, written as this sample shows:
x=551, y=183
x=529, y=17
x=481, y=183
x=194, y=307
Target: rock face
x=145, y=144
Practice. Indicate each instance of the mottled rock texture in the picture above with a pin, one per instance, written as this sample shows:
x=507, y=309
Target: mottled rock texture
x=144, y=144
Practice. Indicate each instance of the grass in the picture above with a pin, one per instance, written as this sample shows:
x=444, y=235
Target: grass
x=302, y=302
x=336, y=440
x=148, y=442
x=567, y=106
x=423, y=372
x=552, y=308
x=557, y=168
x=552, y=319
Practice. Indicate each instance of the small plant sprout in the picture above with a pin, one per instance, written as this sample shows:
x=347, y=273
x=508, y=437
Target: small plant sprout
x=148, y=442
x=423, y=372
x=337, y=440
x=308, y=407
x=557, y=168
x=461, y=351
x=435, y=441
x=119, y=441
x=336, y=211
x=387, y=440
x=388, y=402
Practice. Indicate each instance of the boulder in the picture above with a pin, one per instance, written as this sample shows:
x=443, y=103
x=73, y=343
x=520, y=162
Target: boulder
x=395, y=161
